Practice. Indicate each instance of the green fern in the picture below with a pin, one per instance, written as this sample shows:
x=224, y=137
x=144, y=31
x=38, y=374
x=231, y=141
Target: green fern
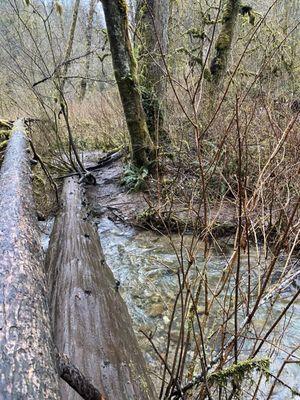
x=135, y=178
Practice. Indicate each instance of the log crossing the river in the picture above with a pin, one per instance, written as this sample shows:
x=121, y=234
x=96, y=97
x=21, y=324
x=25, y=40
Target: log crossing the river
x=27, y=363
x=91, y=322
x=70, y=312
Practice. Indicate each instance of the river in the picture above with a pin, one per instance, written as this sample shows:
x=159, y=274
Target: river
x=145, y=265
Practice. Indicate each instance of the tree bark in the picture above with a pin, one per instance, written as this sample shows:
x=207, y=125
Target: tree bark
x=27, y=365
x=152, y=26
x=219, y=63
x=89, y=32
x=91, y=322
x=125, y=69
x=69, y=44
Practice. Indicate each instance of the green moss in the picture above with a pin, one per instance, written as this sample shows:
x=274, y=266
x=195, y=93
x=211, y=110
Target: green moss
x=39, y=181
x=163, y=221
x=195, y=33
x=207, y=74
x=125, y=68
x=4, y=134
x=223, y=41
x=142, y=10
x=5, y=124
x=193, y=58
x=151, y=108
x=230, y=9
x=238, y=372
x=146, y=215
x=247, y=10
x=4, y=137
x=123, y=6
x=3, y=144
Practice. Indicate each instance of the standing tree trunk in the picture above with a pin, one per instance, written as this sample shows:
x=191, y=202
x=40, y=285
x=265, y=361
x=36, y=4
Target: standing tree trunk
x=27, y=365
x=125, y=68
x=69, y=45
x=89, y=32
x=219, y=63
x=91, y=322
x=152, y=18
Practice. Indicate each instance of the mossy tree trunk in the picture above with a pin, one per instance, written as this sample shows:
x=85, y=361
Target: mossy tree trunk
x=89, y=32
x=152, y=19
x=69, y=44
x=219, y=62
x=125, y=69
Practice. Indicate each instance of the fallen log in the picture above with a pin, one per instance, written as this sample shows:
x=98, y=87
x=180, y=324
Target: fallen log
x=91, y=322
x=103, y=162
x=27, y=363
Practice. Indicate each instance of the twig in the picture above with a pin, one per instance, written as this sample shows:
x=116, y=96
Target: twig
x=45, y=169
x=107, y=159
x=59, y=66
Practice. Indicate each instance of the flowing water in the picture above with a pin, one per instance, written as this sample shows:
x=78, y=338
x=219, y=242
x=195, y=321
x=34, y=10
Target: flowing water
x=146, y=265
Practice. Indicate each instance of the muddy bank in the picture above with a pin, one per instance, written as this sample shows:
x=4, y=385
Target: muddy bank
x=153, y=209
x=111, y=198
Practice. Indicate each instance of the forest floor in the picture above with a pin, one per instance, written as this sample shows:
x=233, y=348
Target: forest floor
x=142, y=209
x=109, y=197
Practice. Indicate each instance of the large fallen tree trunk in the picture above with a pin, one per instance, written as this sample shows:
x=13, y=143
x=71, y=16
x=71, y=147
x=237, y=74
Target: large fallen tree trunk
x=91, y=322
x=27, y=363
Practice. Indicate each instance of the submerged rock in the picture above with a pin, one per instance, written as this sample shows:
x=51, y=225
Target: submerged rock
x=156, y=310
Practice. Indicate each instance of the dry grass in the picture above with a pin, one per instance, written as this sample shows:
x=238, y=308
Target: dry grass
x=98, y=122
